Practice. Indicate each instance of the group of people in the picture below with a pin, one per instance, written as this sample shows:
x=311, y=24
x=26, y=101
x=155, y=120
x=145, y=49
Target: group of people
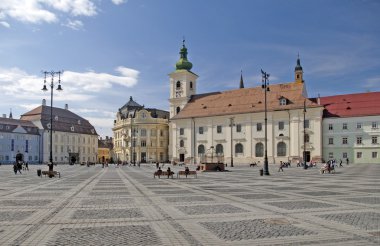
x=169, y=172
x=19, y=165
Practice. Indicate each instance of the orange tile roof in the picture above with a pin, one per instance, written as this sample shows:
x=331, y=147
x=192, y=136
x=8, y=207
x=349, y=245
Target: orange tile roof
x=351, y=105
x=246, y=100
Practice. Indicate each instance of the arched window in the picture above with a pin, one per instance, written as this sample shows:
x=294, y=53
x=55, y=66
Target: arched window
x=178, y=109
x=219, y=149
x=307, y=138
x=259, y=150
x=178, y=84
x=239, y=148
x=191, y=85
x=281, y=149
x=181, y=143
x=201, y=149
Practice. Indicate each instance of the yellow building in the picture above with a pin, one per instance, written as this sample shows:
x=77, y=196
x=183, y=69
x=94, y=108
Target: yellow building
x=105, y=147
x=141, y=134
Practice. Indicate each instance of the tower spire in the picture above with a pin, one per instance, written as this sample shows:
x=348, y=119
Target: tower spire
x=10, y=114
x=298, y=71
x=241, y=80
x=183, y=63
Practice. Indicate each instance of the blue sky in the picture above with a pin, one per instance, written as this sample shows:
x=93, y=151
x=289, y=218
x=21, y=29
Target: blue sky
x=113, y=49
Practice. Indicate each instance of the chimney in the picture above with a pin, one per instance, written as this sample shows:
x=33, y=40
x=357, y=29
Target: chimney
x=43, y=102
x=106, y=137
x=319, y=99
x=4, y=116
x=66, y=106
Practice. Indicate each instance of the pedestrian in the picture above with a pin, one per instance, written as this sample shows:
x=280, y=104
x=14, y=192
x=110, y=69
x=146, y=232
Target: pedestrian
x=19, y=167
x=340, y=163
x=169, y=172
x=298, y=163
x=281, y=167
x=27, y=166
x=347, y=161
x=157, y=165
x=187, y=171
x=15, y=167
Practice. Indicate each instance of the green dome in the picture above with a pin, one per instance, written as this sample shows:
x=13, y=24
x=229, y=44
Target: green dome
x=183, y=63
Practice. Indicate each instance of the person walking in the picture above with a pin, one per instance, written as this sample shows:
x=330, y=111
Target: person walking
x=340, y=163
x=347, y=161
x=281, y=166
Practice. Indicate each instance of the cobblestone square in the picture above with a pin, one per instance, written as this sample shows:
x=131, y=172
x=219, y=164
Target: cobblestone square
x=127, y=206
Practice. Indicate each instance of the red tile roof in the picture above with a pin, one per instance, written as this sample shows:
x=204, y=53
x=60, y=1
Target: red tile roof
x=246, y=100
x=351, y=105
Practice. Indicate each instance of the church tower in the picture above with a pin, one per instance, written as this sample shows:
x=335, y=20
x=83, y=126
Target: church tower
x=183, y=83
x=298, y=72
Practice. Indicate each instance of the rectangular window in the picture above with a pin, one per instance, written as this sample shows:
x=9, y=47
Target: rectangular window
x=331, y=127
x=143, y=132
x=344, y=155
x=143, y=143
x=200, y=130
x=218, y=129
x=344, y=126
x=238, y=127
x=30, y=158
x=331, y=140
x=358, y=125
x=281, y=125
x=359, y=140
x=181, y=131
x=374, y=125
x=153, y=132
x=331, y=155
x=307, y=124
x=259, y=127
x=161, y=133
x=344, y=141
x=374, y=139
x=374, y=154
x=359, y=155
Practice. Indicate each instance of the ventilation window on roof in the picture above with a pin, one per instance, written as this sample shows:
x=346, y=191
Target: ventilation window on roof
x=229, y=105
x=259, y=102
x=204, y=107
x=348, y=108
x=48, y=125
x=78, y=122
x=56, y=118
x=72, y=128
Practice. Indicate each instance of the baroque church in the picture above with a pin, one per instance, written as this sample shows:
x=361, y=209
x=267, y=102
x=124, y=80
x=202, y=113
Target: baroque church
x=230, y=125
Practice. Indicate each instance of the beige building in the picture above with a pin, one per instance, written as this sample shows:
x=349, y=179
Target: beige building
x=105, y=150
x=74, y=138
x=140, y=134
x=230, y=124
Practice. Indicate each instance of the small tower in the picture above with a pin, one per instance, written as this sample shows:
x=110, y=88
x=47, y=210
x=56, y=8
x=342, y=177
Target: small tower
x=182, y=83
x=10, y=114
x=241, y=80
x=298, y=72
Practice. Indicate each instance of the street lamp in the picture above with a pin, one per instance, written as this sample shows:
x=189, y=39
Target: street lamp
x=304, y=134
x=232, y=153
x=59, y=88
x=265, y=86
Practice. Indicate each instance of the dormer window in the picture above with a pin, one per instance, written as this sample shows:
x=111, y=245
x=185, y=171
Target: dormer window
x=72, y=128
x=48, y=125
x=56, y=118
x=78, y=122
x=283, y=101
x=92, y=131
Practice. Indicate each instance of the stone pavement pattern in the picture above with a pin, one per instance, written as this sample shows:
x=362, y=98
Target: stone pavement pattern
x=127, y=206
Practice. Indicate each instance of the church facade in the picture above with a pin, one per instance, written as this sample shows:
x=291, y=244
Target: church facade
x=229, y=125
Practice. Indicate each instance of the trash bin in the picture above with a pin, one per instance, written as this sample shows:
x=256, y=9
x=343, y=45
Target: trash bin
x=261, y=172
x=38, y=172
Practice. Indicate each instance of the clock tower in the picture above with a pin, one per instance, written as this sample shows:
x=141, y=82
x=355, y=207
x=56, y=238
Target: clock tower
x=182, y=83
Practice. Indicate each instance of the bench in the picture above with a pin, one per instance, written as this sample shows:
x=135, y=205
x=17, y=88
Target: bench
x=184, y=173
x=51, y=173
x=163, y=173
x=325, y=170
x=253, y=165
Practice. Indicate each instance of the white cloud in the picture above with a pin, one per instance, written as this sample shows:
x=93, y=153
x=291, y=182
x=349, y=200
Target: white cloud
x=74, y=24
x=5, y=24
x=372, y=83
x=16, y=83
x=40, y=11
x=117, y=2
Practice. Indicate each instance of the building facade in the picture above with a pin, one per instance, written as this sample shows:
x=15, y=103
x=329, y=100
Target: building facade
x=105, y=150
x=74, y=138
x=140, y=134
x=231, y=124
x=19, y=138
x=351, y=127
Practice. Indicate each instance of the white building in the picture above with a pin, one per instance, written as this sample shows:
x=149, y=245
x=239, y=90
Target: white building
x=351, y=127
x=74, y=138
x=231, y=123
x=140, y=134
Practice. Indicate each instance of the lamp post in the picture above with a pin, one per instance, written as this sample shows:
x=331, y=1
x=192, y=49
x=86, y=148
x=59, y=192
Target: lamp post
x=59, y=88
x=232, y=153
x=265, y=86
x=304, y=134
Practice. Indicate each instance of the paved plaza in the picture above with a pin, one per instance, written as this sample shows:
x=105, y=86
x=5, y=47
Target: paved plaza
x=127, y=206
